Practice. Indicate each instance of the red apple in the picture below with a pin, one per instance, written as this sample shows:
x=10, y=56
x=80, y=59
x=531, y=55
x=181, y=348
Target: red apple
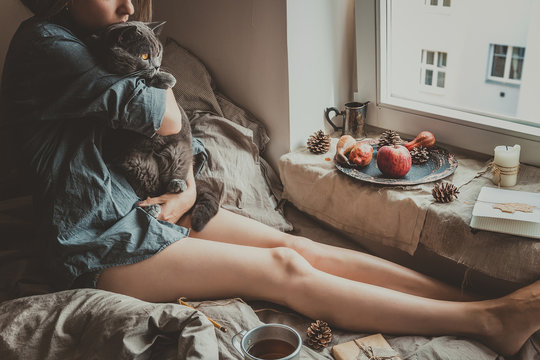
x=394, y=160
x=361, y=154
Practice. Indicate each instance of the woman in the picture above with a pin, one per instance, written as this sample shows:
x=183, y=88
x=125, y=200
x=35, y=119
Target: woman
x=60, y=101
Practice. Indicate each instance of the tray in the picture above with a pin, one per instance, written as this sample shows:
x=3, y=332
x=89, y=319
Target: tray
x=441, y=164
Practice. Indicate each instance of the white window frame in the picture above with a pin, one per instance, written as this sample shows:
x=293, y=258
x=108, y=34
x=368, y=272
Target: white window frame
x=475, y=132
x=435, y=68
x=506, y=76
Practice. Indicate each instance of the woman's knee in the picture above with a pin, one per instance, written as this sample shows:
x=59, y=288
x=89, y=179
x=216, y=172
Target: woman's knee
x=307, y=248
x=290, y=262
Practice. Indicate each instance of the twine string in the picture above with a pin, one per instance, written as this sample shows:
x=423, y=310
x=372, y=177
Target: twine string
x=498, y=171
x=369, y=353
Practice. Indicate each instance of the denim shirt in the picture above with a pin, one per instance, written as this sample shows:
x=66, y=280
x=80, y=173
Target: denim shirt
x=58, y=101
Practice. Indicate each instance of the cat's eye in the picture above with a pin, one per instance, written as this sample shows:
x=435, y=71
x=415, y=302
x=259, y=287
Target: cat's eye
x=144, y=56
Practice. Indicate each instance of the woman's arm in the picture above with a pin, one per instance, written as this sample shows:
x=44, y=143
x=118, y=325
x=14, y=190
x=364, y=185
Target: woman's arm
x=174, y=206
x=172, y=119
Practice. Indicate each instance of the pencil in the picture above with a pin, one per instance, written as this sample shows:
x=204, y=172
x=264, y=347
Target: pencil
x=217, y=325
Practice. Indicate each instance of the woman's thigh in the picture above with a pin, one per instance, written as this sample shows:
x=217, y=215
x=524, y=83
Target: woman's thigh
x=232, y=228
x=203, y=269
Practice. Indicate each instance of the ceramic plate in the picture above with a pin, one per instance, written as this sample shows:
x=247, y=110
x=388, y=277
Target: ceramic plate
x=441, y=164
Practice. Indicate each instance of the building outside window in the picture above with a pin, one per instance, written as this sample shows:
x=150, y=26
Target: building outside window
x=506, y=63
x=433, y=69
x=445, y=3
x=490, y=63
x=487, y=94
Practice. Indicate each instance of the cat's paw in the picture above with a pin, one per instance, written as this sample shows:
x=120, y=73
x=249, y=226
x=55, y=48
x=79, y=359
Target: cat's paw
x=177, y=186
x=153, y=210
x=163, y=80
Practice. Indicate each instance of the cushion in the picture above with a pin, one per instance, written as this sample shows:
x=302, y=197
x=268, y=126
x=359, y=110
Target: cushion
x=233, y=138
x=194, y=89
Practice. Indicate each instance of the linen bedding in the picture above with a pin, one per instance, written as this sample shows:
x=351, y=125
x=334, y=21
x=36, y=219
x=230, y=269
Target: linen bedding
x=38, y=323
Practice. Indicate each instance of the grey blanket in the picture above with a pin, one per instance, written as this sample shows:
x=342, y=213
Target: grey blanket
x=94, y=324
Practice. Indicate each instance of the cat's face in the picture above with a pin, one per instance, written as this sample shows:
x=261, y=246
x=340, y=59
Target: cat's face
x=132, y=46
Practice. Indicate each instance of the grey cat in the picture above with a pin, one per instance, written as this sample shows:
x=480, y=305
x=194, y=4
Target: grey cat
x=157, y=165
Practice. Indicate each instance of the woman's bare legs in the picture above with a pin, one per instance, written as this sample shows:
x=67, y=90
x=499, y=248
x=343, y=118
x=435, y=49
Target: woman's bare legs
x=202, y=269
x=235, y=229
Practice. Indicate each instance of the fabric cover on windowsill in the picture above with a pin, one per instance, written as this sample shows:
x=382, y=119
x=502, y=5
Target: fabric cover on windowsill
x=403, y=217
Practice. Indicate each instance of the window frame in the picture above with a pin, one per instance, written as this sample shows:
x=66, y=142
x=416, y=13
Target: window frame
x=435, y=68
x=508, y=63
x=475, y=132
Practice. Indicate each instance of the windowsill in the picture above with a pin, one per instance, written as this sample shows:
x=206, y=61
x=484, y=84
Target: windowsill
x=502, y=81
x=477, y=133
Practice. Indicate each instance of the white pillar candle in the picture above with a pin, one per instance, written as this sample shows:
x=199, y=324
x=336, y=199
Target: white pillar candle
x=506, y=159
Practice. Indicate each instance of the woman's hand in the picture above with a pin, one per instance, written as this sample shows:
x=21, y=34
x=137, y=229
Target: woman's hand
x=174, y=206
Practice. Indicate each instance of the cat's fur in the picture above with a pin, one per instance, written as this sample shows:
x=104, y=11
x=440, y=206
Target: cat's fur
x=157, y=165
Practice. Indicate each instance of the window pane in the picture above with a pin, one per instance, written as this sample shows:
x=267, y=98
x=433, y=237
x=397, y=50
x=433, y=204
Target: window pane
x=500, y=49
x=515, y=69
x=434, y=2
x=429, y=77
x=497, y=68
x=425, y=54
x=441, y=61
x=440, y=79
x=430, y=57
x=446, y=3
x=518, y=52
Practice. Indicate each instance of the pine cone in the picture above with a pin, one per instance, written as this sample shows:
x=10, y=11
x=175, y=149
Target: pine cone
x=389, y=137
x=419, y=155
x=319, y=142
x=319, y=335
x=444, y=192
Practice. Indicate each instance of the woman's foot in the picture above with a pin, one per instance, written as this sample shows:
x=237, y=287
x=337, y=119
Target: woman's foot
x=512, y=319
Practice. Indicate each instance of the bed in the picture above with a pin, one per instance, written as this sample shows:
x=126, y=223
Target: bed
x=39, y=323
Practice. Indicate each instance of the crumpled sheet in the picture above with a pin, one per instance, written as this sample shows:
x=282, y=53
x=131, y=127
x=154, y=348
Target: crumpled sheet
x=95, y=324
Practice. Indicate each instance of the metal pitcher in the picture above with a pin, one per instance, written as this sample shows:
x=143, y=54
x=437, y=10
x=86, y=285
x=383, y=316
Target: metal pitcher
x=354, y=117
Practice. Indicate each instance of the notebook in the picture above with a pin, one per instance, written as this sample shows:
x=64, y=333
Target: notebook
x=486, y=217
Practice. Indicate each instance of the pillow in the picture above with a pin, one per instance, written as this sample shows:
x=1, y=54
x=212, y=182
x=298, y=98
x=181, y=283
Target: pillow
x=244, y=118
x=236, y=171
x=233, y=138
x=194, y=89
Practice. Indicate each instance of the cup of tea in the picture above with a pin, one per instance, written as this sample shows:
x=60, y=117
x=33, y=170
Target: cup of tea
x=268, y=341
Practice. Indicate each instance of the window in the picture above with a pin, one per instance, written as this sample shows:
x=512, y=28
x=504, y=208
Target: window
x=506, y=63
x=445, y=3
x=433, y=69
x=485, y=96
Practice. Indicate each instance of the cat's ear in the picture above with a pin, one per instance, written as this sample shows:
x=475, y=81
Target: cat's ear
x=156, y=27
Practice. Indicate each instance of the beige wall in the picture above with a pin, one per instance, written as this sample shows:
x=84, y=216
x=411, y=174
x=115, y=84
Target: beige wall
x=321, y=47
x=12, y=12
x=244, y=45
x=283, y=60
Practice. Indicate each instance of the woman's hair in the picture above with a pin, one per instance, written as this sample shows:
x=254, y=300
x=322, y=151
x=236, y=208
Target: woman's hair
x=47, y=9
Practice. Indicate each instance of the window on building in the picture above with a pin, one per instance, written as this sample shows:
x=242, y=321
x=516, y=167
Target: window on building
x=506, y=63
x=444, y=3
x=433, y=69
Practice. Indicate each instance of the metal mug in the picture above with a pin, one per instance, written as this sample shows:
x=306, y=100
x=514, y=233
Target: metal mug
x=354, y=117
x=246, y=341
